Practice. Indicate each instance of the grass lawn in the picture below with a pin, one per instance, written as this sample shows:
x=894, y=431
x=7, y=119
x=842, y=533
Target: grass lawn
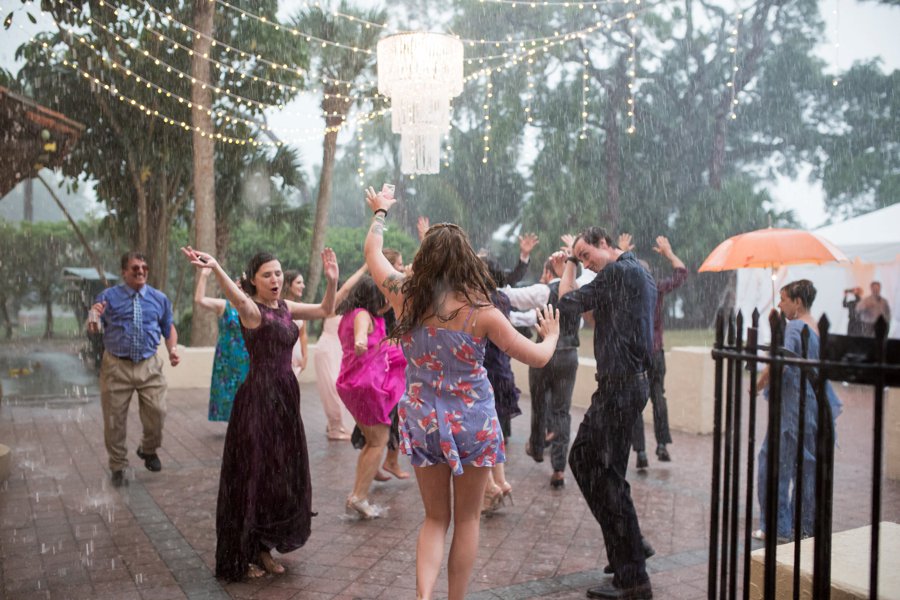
x=671, y=339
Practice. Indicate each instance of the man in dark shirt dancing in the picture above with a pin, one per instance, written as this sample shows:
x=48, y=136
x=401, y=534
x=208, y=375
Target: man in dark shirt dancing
x=622, y=298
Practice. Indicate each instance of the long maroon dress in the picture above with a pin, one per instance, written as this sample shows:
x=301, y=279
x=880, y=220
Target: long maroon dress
x=265, y=493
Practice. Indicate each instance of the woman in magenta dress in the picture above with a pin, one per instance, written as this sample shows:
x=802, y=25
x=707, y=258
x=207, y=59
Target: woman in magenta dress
x=448, y=421
x=265, y=493
x=370, y=383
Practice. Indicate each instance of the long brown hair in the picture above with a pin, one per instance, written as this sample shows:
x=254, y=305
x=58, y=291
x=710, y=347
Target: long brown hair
x=445, y=262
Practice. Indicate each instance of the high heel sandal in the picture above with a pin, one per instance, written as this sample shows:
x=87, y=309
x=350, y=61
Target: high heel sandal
x=493, y=499
x=506, y=494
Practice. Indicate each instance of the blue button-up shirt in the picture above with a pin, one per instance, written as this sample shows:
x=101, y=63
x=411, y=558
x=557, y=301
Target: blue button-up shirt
x=117, y=319
x=622, y=297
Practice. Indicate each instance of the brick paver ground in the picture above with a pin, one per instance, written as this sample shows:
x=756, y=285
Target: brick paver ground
x=65, y=533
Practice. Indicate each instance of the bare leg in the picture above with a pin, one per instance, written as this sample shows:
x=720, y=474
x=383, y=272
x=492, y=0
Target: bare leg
x=392, y=464
x=369, y=457
x=468, y=490
x=434, y=487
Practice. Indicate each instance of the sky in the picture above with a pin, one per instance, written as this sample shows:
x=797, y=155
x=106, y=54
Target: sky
x=861, y=30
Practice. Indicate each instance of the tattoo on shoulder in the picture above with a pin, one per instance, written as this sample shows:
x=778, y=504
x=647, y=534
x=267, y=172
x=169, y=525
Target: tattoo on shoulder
x=393, y=283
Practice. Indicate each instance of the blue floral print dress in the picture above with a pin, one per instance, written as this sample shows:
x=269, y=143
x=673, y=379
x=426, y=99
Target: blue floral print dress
x=447, y=414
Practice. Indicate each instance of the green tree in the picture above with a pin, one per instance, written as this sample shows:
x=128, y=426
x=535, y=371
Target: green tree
x=43, y=250
x=858, y=159
x=137, y=157
x=343, y=73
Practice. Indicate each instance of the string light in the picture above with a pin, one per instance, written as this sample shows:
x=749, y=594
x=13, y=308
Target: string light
x=295, y=32
x=529, y=90
x=488, y=96
x=837, y=42
x=584, y=92
x=632, y=74
x=557, y=5
x=361, y=168
x=733, y=49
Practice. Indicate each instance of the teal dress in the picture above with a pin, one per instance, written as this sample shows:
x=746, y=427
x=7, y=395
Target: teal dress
x=230, y=365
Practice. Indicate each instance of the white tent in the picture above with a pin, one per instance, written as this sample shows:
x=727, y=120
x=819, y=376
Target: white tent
x=870, y=241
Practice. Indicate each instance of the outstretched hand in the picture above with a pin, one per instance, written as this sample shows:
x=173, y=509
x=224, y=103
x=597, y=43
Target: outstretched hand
x=527, y=243
x=199, y=259
x=625, y=242
x=547, y=321
x=663, y=246
x=330, y=264
x=568, y=241
x=422, y=225
x=377, y=201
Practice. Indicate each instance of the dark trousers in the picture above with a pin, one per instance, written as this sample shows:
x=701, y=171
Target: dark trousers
x=599, y=459
x=551, y=401
x=657, y=376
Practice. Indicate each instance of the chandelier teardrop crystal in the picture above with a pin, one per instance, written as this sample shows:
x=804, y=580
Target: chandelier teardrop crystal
x=420, y=72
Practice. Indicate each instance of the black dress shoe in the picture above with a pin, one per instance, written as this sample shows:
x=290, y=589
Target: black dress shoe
x=557, y=482
x=648, y=552
x=536, y=456
x=608, y=589
x=117, y=478
x=662, y=454
x=642, y=460
x=151, y=461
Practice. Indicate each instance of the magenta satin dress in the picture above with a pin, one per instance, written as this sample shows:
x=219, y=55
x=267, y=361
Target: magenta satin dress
x=370, y=385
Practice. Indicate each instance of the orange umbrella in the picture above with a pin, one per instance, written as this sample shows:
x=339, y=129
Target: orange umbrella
x=771, y=248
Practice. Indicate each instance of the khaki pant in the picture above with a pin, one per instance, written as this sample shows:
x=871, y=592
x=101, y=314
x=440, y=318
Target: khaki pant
x=119, y=379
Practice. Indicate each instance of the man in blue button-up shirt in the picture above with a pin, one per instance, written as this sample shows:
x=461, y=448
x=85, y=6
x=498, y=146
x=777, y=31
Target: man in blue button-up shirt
x=133, y=316
x=621, y=298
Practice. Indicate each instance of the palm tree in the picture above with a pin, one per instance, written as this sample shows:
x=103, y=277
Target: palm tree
x=342, y=73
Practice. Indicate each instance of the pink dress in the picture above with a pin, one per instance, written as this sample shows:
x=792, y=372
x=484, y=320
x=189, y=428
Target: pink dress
x=370, y=385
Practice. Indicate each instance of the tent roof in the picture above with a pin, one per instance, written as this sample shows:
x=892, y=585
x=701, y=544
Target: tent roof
x=86, y=274
x=872, y=237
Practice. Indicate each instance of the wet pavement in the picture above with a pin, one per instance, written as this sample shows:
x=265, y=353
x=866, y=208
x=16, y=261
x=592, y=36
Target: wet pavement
x=65, y=533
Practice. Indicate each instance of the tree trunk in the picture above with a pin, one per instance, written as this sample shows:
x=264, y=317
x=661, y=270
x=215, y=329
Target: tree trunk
x=204, y=329
x=48, y=323
x=4, y=313
x=335, y=110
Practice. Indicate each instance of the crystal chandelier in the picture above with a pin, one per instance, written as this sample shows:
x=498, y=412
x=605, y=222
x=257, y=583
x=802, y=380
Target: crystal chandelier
x=420, y=72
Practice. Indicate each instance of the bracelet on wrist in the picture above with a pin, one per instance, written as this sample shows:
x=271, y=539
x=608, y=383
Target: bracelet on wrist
x=380, y=210
x=573, y=260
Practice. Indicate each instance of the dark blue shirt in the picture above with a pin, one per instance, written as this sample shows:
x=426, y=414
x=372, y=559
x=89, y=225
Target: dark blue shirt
x=622, y=298
x=117, y=319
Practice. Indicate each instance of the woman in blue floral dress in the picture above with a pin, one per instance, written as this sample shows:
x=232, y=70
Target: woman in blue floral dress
x=231, y=362
x=448, y=421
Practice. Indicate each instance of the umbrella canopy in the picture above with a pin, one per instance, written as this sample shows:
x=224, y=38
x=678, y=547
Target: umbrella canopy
x=771, y=248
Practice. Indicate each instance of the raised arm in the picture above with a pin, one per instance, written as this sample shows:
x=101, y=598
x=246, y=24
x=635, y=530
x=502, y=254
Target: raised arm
x=216, y=305
x=492, y=323
x=247, y=308
x=388, y=279
x=348, y=285
x=302, y=310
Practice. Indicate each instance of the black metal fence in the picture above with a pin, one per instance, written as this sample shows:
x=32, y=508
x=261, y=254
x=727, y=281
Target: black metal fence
x=869, y=361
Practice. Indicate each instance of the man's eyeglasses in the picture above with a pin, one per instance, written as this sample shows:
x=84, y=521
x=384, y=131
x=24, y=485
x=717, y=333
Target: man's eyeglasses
x=139, y=268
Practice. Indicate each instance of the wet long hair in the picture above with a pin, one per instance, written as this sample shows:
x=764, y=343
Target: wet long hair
x=289, y=276
x=258, y=260
x=444, y=263
x=365, y=294
x=802, y=289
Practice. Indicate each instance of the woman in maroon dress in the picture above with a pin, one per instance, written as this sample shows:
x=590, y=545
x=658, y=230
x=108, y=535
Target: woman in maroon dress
x=265, y=493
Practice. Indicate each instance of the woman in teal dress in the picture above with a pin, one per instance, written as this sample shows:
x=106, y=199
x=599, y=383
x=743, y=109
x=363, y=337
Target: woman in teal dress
x=231, y=362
